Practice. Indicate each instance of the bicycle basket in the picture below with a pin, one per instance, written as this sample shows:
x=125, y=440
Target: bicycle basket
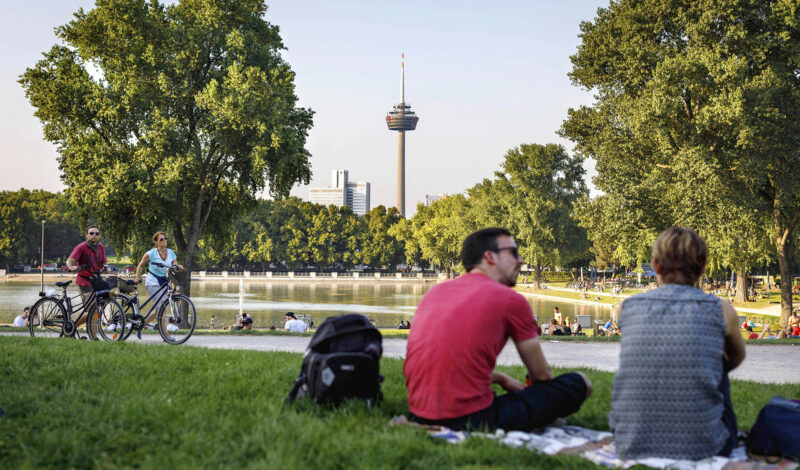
x=99, y=285
x=121, y=284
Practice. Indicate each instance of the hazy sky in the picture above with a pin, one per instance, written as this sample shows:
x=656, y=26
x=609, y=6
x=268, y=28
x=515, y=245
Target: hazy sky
x=483, y=78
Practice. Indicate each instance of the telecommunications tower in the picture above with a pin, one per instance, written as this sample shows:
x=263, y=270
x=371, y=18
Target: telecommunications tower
x=401, y=119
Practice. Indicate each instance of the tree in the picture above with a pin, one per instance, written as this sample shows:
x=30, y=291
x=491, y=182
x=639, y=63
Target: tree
x=441, y=228
x=16, y=223
x=693, y=97
x=62, y=229
x=170, y=116
x=539, y=185
x=379, y=248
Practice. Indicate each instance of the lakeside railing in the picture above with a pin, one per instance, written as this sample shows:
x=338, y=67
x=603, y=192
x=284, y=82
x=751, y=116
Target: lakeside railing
x=323, y=275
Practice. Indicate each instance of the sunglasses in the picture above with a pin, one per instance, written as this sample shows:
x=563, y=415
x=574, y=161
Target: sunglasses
x=94, y=233
x=513, y=249
x=162, y=239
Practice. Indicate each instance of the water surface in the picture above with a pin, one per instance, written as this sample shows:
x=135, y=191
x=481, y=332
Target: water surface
x=387, y=303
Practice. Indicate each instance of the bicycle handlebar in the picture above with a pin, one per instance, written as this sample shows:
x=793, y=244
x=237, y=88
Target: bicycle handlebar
x=162, y=265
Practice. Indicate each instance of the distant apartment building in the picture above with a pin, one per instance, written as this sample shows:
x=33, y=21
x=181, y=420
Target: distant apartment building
x=343, y=193
x=431, y=198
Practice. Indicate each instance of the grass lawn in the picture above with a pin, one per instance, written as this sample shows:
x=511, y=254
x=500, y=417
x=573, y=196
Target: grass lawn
x=604, y=298
x=81, y=404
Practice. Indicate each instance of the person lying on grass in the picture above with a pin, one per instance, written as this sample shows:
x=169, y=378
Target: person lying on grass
x=459, y=329
x=671, y=395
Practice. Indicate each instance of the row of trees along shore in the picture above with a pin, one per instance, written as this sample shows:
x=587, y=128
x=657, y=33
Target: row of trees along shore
x=177, y=116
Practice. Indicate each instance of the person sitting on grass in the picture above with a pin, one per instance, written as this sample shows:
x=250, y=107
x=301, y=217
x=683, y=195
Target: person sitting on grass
x=554, y=329
x=794, y=323
x=293, y=324
x=247, y=322
x=22, y=319
x=244, y=322
x=450, y=371
x=673, y=401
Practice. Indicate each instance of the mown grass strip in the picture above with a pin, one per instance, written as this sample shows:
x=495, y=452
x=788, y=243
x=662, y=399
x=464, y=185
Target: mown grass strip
x=81, y=404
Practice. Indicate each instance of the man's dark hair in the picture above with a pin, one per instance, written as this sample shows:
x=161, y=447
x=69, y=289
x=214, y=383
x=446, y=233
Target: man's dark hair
x=91, y=227
x=477, y=243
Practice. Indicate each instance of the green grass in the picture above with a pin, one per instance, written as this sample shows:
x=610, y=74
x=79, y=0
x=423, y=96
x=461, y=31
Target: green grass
x=81, y=404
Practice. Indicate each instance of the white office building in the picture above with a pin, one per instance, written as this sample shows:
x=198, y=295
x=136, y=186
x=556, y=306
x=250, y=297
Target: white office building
x=431, y=198
x=343, y=193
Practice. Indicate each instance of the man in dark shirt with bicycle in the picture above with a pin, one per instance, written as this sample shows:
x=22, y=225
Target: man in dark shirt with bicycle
x=92, y=254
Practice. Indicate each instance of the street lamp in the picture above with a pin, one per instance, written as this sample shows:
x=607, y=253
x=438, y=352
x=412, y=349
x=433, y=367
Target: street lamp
x=41, y=261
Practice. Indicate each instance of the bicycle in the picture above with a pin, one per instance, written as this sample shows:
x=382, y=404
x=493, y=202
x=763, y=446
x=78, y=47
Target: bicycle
x=55, y=314
x=176, y=317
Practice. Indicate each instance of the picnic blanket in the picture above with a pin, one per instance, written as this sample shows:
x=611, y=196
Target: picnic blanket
x=597, y=446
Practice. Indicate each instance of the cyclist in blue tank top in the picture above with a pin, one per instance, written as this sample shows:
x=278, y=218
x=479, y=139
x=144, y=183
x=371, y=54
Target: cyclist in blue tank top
x=156, y=275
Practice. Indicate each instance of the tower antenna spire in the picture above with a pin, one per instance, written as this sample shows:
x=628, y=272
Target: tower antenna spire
x=403, y=77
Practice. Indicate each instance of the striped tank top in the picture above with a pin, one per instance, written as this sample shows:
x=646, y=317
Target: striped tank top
x=666, y=400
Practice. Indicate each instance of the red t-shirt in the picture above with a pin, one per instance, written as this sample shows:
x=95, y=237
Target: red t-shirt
x=84, y=255
x=459, y=330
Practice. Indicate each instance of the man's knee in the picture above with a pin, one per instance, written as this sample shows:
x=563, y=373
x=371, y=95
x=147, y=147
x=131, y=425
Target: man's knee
x=589, y=386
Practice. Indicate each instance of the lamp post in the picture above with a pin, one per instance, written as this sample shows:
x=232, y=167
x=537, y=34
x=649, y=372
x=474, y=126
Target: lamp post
x=41, y=261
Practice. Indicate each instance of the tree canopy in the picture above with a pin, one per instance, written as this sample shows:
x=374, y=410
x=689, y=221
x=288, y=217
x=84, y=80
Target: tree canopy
x=170, y=117
x=696, y=120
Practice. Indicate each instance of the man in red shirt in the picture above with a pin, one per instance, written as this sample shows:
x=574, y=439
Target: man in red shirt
x=459, y=329
x=92, y=254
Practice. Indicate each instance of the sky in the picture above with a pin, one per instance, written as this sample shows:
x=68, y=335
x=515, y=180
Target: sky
x=483, y=77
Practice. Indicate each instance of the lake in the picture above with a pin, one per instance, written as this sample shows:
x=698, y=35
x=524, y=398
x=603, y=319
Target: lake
x=387, y=303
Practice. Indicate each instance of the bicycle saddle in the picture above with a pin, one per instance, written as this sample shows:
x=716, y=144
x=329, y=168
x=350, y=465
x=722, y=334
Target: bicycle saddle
x=63, y=284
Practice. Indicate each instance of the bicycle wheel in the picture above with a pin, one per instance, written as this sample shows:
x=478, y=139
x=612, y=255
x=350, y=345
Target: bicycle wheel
x=107, y=320
x=177, y=318
x=46, y=317
x=130, y=313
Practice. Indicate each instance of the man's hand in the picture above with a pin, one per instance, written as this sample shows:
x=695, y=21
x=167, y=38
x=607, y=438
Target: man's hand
x=506, y=382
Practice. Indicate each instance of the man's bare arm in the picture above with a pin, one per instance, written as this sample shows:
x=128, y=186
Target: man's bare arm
x=530, y=351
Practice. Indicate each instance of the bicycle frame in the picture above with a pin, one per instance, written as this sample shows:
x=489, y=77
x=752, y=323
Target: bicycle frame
x=166, y=289
x=68, y=325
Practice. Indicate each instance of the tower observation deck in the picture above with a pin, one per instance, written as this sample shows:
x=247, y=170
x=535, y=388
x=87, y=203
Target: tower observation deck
x=401, y=119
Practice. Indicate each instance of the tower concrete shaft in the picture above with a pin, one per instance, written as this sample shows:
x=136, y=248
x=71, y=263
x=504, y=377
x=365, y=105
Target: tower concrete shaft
x=401, y=172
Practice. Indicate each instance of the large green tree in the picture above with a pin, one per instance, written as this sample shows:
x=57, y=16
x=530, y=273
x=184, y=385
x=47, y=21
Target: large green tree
x=539, y=185
x=693, y=97
x=170, y=117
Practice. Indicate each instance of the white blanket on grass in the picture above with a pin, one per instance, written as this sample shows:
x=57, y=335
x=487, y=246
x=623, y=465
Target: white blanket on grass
x=597, y=446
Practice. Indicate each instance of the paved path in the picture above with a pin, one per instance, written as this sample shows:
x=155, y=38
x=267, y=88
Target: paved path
x=764, y=363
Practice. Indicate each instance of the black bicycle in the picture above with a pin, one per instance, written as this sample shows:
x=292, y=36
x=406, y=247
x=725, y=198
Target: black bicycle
x=176, y=317
x=54, y=315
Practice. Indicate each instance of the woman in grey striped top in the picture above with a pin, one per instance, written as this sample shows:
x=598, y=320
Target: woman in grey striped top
x=671, y=395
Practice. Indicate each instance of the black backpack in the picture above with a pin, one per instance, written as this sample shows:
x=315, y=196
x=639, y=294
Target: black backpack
x=341, y=361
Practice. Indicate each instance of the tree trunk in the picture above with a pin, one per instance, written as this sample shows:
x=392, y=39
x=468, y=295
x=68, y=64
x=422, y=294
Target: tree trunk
x=741, y=286
x=785, y=264
x=783, y=244
x=537, y=276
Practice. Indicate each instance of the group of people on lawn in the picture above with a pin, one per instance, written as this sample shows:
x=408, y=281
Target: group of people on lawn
x=462, y=325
